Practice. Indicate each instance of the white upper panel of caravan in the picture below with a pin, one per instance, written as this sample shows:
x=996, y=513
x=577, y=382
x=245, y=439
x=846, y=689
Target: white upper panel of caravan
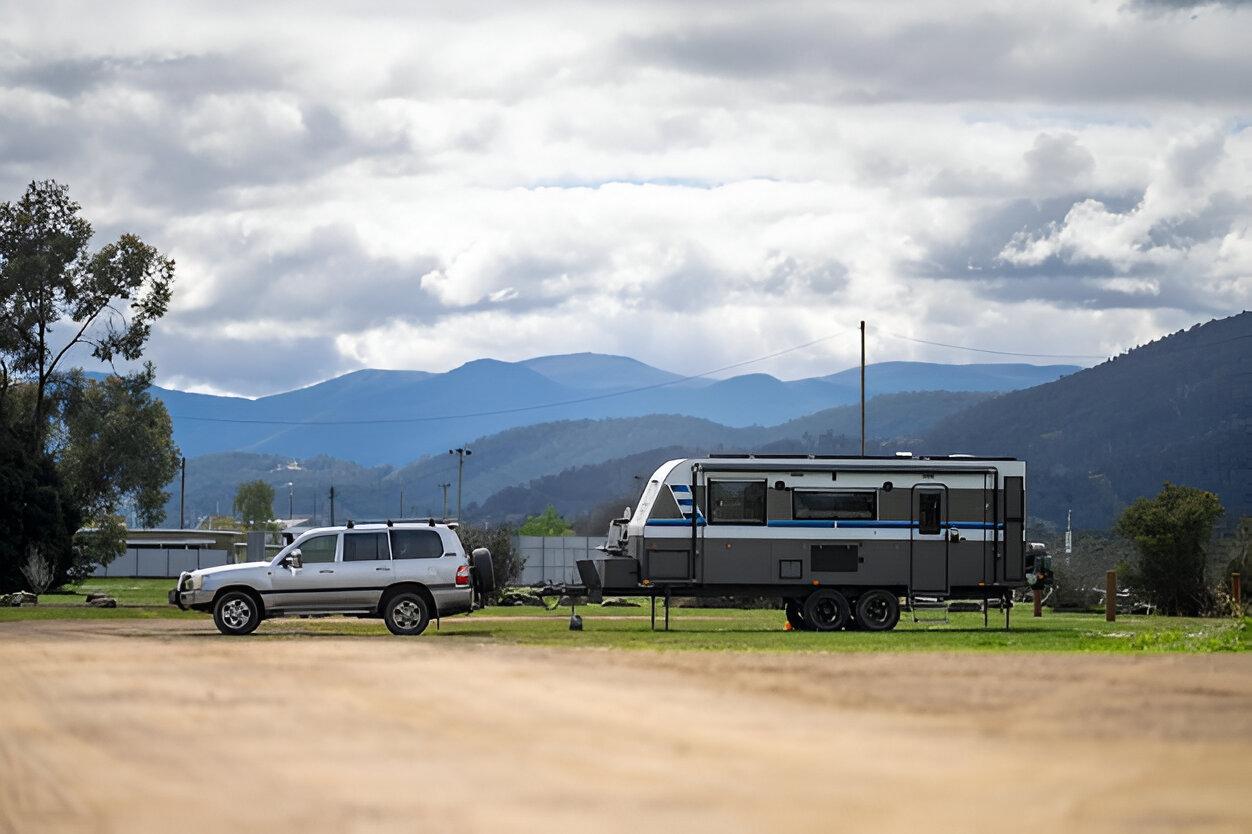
x=805, y=472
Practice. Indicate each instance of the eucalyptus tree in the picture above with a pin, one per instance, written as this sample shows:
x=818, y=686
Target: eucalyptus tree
x=90, y=444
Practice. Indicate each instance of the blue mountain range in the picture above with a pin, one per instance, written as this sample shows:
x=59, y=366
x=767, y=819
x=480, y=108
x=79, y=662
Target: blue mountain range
x=377, y=416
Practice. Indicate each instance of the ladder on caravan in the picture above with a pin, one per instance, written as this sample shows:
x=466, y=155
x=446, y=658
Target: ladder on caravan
x=935, y=601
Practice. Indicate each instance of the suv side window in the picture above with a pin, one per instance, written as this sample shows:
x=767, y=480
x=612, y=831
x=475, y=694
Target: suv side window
x=365, y=547
x=416, y=544
x=318, y=549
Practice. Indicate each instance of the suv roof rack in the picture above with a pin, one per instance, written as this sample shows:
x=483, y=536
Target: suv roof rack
x=431, y=520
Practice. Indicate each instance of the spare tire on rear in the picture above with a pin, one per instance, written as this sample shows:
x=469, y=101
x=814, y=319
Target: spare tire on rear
x=483, y=571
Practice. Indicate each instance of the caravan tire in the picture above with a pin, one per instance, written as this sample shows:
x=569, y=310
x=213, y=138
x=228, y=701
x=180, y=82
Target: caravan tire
x=795, y=615
x=826, y=610
x=877, y=610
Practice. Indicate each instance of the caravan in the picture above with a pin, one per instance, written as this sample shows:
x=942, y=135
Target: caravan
x=840, y=539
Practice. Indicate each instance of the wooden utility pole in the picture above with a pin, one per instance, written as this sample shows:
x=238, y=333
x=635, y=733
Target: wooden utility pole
x=332, y=505
x=862, y=389
x=182, y=495
x=444, y=487
x=461, y=454
x=1038, y=602
x=1110, y=596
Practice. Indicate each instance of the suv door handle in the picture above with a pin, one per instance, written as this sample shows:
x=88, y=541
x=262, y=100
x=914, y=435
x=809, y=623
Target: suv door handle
x=325, y=571
x=387, y=569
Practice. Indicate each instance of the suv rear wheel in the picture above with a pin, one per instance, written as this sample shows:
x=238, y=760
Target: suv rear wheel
x=406, y=614
x=236, y=613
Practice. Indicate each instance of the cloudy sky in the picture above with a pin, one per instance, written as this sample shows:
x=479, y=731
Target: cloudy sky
x=411, y=185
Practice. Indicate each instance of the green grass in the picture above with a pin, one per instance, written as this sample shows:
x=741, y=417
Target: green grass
x=705, y=629
x=125, y=591
x=82, y=612
x=732, y=630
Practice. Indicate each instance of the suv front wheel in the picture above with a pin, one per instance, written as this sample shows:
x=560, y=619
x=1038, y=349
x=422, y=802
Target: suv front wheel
x=406, y=614
x=236, y=613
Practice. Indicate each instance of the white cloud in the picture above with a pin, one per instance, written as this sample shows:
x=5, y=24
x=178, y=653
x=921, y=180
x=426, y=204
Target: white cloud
x=405, y=187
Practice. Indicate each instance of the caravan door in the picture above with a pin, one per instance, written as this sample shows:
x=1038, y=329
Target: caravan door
x=668, y=555
x=928, y=540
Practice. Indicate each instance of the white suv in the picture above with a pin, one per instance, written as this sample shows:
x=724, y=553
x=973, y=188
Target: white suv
x=404, y=572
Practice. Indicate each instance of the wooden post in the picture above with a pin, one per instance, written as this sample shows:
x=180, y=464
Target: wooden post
x=1236, y=592
x=862, y=389
x=1110, y=596
x=1038, y=602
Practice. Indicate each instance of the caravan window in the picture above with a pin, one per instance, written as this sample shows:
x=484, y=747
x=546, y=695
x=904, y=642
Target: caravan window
x=830, y=506
x=736, y=502
x=929, y=512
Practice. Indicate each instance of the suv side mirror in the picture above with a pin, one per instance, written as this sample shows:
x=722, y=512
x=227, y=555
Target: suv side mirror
x=294, y=559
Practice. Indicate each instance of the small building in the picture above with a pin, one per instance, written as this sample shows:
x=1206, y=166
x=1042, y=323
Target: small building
x=161, y=552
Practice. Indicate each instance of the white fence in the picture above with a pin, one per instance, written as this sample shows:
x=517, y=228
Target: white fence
x=545, y=559
x=161, y=561
x=551, y=558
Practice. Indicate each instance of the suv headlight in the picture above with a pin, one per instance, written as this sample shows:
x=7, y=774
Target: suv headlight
x=195, y=582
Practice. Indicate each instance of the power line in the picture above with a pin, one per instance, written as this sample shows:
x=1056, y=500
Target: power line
x=890, y=335
x=517, y=409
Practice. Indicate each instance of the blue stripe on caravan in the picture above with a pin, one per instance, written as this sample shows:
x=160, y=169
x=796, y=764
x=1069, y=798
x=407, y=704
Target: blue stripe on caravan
x=975, y=525
x=799, y=523
x=680, y=488
x=673, y=522
x=682, y=501
x=875, y=524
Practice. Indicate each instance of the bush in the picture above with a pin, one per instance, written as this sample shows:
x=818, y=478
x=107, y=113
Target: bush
x=547, y=523
x=1080, y=575
x=499, y=540
x=1171, y=533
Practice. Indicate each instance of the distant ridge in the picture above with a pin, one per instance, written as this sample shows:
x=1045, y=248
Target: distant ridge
x=504, y=395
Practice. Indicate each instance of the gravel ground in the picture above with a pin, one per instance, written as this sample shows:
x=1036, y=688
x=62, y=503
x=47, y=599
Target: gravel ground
x=162, y=725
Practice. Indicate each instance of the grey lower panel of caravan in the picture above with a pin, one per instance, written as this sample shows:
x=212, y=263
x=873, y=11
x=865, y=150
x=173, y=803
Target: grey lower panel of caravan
x=717, y=564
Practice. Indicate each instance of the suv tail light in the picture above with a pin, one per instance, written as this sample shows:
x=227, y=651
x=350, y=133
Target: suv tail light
x=462, y=575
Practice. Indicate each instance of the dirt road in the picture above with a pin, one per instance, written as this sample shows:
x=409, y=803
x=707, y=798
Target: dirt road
x=163, y=726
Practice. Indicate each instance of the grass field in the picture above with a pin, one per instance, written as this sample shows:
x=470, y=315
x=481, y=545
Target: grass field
x=705, y=629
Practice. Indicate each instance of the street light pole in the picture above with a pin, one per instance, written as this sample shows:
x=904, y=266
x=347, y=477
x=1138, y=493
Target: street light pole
x=461, y=454
x=291, y=501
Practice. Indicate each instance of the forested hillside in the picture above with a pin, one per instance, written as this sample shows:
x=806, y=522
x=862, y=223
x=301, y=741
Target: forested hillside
x=510, y=460
x=1178, y=409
